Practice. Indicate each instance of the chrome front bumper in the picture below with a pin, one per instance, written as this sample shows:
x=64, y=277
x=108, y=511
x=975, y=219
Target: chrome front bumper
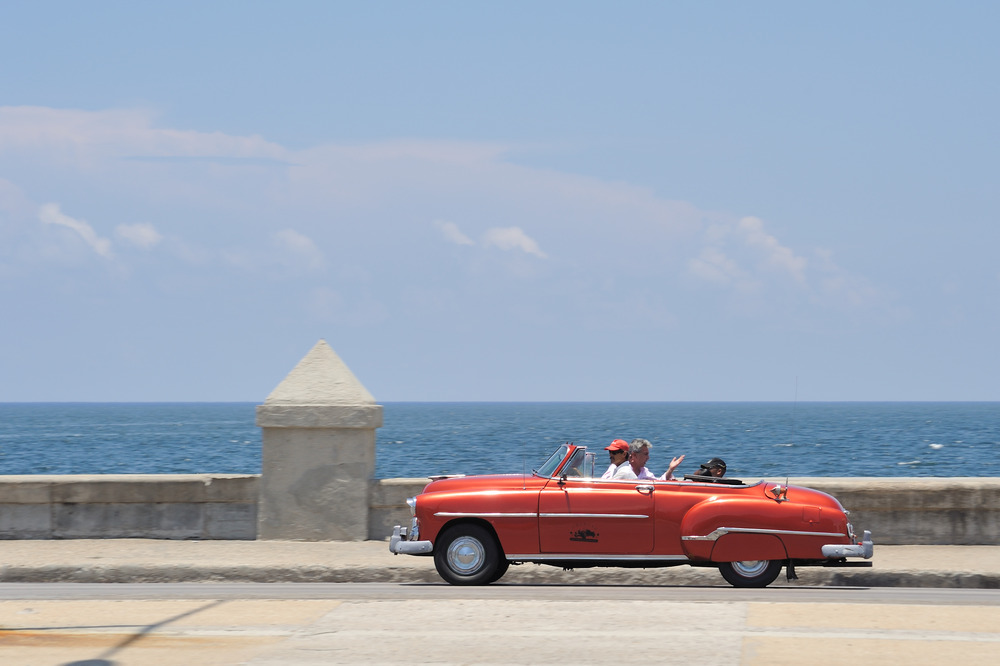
x=864, y=549
x=398, y=544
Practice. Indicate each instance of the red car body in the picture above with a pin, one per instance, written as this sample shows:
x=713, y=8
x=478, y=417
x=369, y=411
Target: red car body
x=562, y=515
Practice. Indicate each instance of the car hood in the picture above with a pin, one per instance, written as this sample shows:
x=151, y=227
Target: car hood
x=482, y=483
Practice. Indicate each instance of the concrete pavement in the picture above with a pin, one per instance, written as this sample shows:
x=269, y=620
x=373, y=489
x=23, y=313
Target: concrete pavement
x=440, y=624
x=153, y=560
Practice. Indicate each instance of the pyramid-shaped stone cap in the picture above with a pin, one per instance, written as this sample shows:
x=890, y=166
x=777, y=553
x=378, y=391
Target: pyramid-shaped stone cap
x=320, y=378
x=320, y=392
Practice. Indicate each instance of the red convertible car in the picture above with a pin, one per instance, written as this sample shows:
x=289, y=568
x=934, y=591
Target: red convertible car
x=476, y=526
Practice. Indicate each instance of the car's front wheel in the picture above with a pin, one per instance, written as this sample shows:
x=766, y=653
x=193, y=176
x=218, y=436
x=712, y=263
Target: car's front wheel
x=750, y=573
x=467, y=555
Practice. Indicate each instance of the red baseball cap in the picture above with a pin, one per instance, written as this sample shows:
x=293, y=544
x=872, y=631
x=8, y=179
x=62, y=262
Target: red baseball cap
x=617, y=445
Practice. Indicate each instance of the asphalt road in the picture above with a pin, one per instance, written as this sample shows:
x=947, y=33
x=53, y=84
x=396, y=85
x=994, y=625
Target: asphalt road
x=540, y=592
x=368, y=623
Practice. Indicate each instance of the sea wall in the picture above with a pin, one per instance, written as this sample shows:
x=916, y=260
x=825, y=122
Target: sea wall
x=109, y=506
x=205, y=506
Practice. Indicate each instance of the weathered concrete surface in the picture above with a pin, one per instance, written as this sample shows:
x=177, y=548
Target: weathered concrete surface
x=164, y=506
x=318, y=457
x=158, y=561
x=343, y=630
x=388, y=506
x=201, y=506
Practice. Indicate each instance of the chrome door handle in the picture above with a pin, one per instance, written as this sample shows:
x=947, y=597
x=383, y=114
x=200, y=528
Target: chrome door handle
x=644, y=489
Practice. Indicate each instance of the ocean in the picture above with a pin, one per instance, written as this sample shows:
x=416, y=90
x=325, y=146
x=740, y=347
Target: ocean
x=419, y=439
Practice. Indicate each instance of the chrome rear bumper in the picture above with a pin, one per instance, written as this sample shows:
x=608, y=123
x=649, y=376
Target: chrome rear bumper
x=864, y=549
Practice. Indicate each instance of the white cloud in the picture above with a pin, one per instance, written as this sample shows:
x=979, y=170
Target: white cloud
x=838, y=285
x=298, y=250
x=216, y=187
x=288, y=254
x=741, y=254
x=142, y=235
x=452, y=233
x=512, y=238
x=714, y=266
x=50, y=214
x=80, y=137
x=775, y=254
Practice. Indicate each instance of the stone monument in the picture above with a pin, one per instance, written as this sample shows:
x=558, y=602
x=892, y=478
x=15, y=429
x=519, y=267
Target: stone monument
x=318, y=458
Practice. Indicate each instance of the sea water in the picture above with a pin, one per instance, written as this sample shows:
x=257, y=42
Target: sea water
x=420, y=439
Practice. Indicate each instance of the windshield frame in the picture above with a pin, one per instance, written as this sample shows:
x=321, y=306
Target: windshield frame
x=548, y=468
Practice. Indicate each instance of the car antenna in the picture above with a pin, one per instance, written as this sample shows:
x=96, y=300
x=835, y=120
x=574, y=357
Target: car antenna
x=778, y=491
x=795, y=403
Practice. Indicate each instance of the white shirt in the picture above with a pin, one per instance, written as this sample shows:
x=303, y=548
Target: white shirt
x=646, y=475
x=625, y=472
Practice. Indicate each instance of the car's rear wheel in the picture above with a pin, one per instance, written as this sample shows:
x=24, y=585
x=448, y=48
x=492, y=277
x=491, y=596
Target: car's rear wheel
x=750, y=573
x=467, y=555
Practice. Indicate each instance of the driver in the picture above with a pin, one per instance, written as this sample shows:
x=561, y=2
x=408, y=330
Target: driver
x=618, y=452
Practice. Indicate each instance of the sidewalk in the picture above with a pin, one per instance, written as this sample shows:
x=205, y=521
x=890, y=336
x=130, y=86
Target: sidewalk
x=161, y=561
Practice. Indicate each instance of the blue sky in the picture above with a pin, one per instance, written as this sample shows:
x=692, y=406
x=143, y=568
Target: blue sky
x=506, y=201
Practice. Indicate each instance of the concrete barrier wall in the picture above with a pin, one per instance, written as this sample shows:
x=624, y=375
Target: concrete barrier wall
x=207, y=506
x=107, y=506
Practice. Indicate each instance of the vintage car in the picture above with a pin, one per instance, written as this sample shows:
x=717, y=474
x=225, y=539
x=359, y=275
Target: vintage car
x=562, y=515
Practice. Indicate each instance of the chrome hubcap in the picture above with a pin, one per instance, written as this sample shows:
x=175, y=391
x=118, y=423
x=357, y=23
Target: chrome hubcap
x=750, y=568
x=466, y=555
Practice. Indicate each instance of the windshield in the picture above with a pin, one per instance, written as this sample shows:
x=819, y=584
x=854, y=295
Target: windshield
x=580, y=465
x=548, y=468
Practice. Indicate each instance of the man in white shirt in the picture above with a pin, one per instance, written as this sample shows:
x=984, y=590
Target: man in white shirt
x=618, y=452
x=637, y=457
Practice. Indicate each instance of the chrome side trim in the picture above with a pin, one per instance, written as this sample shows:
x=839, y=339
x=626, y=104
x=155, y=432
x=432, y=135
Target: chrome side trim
x=514, y=491
x=715, y=534
x=459, y=514
x=592, y=515
x=594, y=556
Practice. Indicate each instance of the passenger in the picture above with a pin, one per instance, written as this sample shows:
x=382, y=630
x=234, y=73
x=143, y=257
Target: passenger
x=638, y=455
x=618, y=452
x=715, y=467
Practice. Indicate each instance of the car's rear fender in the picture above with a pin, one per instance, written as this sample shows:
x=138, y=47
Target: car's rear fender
x=741, y=547
x=800, y=529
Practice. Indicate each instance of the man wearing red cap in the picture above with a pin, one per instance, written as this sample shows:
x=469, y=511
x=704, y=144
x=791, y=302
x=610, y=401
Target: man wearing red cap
x=618, y=451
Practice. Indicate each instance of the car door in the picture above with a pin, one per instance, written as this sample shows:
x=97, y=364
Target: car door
x=581, y=516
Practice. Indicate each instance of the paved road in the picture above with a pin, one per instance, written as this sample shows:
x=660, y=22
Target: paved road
x=425, y=591
x=271, y=624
